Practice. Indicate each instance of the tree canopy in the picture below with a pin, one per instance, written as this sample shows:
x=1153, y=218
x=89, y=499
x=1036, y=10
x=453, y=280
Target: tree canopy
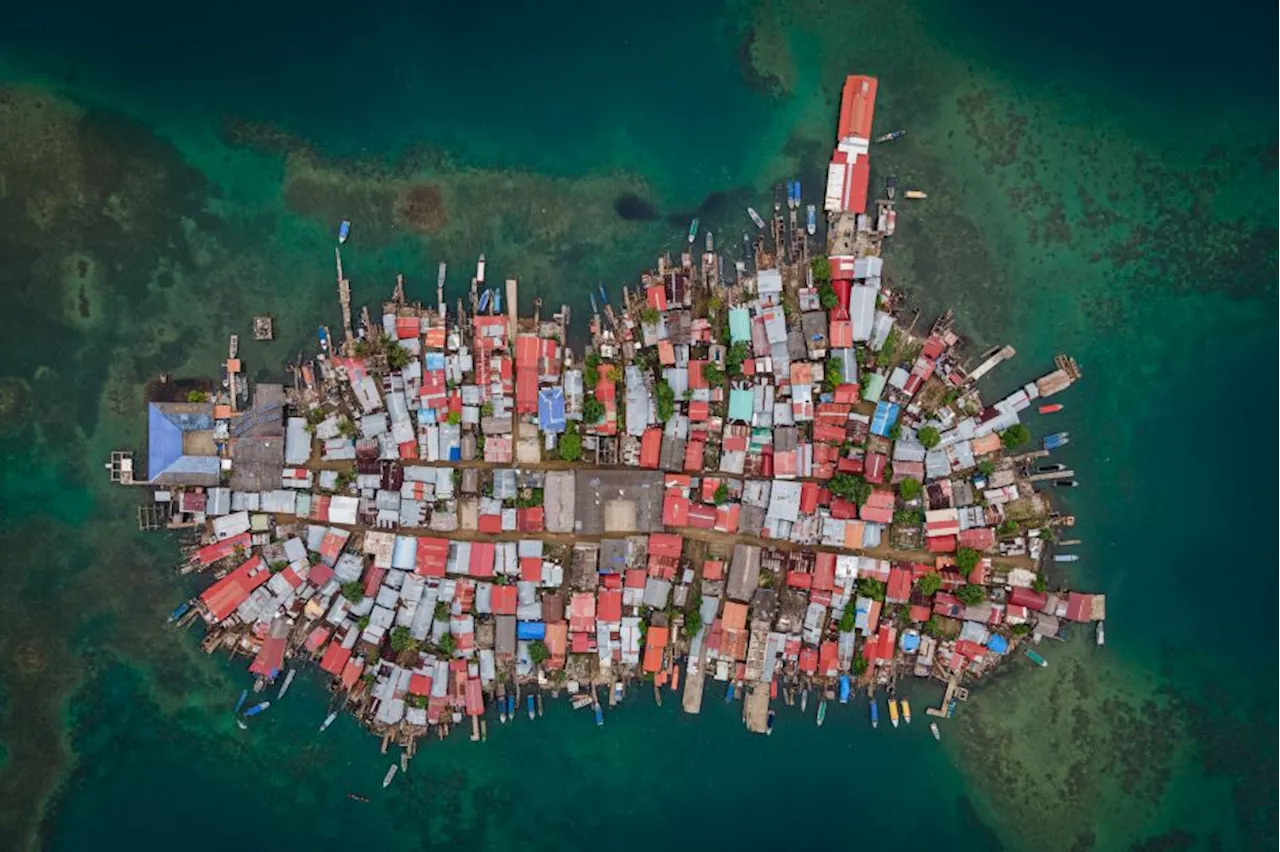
x=928, y=436
x=970, y=595
x=909, y=488
x=832, y=375
x=538, y=652
x=713, y=374
x=821, y=269
x=592, y=410
x=1015, y=436
x=649, y=315
x=570, y=446
x=722, y=494
x=986, y=467
x=400, y=639
x=929, y=584
x=733, y=359
x=967, y=559
x=448, y=644
x=870, y=587
x=666, y=401
x=398, y=357
x=692, y=621
x=850, y=487
x=353, y=591
x=827, y=296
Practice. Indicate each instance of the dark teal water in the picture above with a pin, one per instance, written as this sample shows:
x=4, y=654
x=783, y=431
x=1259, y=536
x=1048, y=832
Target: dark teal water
x=1102, y=181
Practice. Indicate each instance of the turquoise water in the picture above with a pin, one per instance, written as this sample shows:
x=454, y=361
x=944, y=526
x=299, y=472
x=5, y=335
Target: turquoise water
x=1096, y=186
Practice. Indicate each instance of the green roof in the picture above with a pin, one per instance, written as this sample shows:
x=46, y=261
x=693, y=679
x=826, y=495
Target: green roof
x=739, y=325
x=741, y=404
x=873, y=387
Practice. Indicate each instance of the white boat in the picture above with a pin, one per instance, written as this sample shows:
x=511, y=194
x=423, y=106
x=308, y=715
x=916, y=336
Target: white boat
x=328, y=720
x=1102, y=637
x=240, y=723
x=391, y=773
x=233, y=348
x=755, y=217
x=811, y=222
x=916, y=194
x=288, y=681
x=933, y=729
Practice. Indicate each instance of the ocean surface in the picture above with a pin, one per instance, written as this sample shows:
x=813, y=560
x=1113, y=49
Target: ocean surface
x=1102, y=181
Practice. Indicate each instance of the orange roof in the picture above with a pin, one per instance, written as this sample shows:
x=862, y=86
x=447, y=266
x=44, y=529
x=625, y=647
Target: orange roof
x=735, y=615
x=666, y=353
x=857, y=106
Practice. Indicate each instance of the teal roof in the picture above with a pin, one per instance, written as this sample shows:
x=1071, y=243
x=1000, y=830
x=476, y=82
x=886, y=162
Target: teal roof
x=873, y=387
x=739, y=325
x=741, y=404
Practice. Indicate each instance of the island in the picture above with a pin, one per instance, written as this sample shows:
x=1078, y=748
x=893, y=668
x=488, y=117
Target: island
x=769, y=473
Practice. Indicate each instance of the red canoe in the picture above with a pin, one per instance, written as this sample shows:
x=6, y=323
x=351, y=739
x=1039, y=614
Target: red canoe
x=1051, y=409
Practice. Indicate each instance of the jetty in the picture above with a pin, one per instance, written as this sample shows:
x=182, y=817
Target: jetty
x=773, y=481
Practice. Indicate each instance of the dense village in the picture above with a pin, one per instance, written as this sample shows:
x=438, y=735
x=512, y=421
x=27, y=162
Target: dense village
x=771, y=473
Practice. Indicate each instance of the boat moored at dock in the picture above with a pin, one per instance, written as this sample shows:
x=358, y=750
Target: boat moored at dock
x=1065, y=483
x=893, y=711
x=906, y=711
x=811, y=220
x=1036, y=658
x=288, y=681
x=693, y=231
x=916, y=194
x=755, y=217
x=933, y=729
x=391, y=774
x=328, y=720
x=344, y=231
x=891, y=136
x=1056, y=440
x=1101, y=635
x=1052, y=408
x=1065, y=557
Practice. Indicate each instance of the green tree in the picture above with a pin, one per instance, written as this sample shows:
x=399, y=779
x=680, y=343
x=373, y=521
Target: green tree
x=734, y=358
x=614, y=373
x=1020, y=629
x=398, y=357
x=970, y=595
x=345, y=478
x=592, y=365
x=447, y=644
x=966, y=560
x=929, y=584
x=986, y=467
x=649, y=315
x=1039, y=583
x=713, y=374
x=278, y=566
x=888, y=352
x=453, y=418
x=909, y=488
x=315, y=416
x=907, y=517
x=592, y=410
x=722, y=494
x=538, y=652
x=821, y=267
x=347, y=428
x=928, y=436
x=827, y=296
x=486, y=410
x=850, y=487
x=400, y=639
x=353, y=591
x=666, y=401
x=832, y=375
x=441, y=611
x=932, y=627
x=870, y=587
x=859, y=664
x=895, y=431
x=1008, y=527
x=692, y=621
x=1015, y=436
x=197, y=396
x=848, y=620
x=362, y=622
x=570, y=446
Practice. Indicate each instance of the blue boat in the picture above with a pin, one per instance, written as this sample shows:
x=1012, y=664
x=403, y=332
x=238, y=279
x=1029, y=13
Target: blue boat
x=530, y=705
x=344, y=231
x=256, y=709
x=791, y=193
x=875, y=713
x=323, y=334
x=1057, y=439
x=484, y=302
x=497, y=302
x=769, y=724
x=844, y=689
x=728, y=693
x=179, y=611
x=603, y=296
x=811, y=224
x=240, y=703
x=599, y=716
x=511, y=707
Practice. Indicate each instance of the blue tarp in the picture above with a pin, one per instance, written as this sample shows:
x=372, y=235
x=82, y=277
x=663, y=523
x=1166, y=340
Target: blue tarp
x=910, y=642
x=998, y=643
x=884, y=418
x=530, y=630
x=551, y=410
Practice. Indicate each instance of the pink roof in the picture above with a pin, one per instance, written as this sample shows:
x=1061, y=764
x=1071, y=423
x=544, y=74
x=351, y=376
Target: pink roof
x=482, y=558
x=609, y=608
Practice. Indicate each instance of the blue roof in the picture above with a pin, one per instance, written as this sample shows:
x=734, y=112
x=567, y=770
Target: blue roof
x=998, y=643
x=910, y=642
x=741, y=404
x=530, y=630
x=739, y=325
x=164, y=442
x=884, y=418
x=551, y=410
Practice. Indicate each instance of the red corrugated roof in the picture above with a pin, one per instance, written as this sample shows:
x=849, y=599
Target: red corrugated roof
x=503, y=600
x=222, y=598
x=651, y=447
x=481, y=558
x=335, y=658
x=609, y=608
x=211, y=553
x=857, y=106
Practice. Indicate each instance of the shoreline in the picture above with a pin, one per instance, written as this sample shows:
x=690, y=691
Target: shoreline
x=734, y=431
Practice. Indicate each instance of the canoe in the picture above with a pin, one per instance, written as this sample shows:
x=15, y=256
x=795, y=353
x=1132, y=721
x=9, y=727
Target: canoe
x=1052, y=408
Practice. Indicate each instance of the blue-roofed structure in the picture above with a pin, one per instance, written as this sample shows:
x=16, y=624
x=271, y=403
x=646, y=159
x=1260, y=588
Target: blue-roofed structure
x=741, y=404
x=739, y=325
x=180, y=446
x=551, y=410
x=998, y=644
x=884, y=418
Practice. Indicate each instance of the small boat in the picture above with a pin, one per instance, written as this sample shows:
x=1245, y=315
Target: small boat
x=497, y=301
x=906, y=711
x=243, y=695
x=480, y=270
x=844, y=689
x=233, y=346
x=791, y=193
x=875, y=713
x=1050, y=468
x=288, y=681
x=256, y=709
x=1065, y=557
x=344, y=231
x=599, y=716
x=822, y=711
x=889, y=137
x=391, y=773
x=1065, y=483
x=773, y=688
x=804, y=700
x=595, y=309
x=890, y=222
x=240, y=724
x=580, y=701
x=811, y=220
x=328, y=720
x=693, y=230
x=728, y=693
x=797, y=192
x=891, y=186
x=1052, y=408
x=356, y=797
x=1057, y=439
x=915, y=194
x=604, y=297
x=709, y=243
x=1101, y=634
x=511, y=707
x=1036, y=658
x=933, y=729
x=323, y=334
x=755, y=217
x=532, y=705
x=483, y=304
x=893, y=712
x=768, y=724
x=179, y=611
x=746, y=244
x=617, y=691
